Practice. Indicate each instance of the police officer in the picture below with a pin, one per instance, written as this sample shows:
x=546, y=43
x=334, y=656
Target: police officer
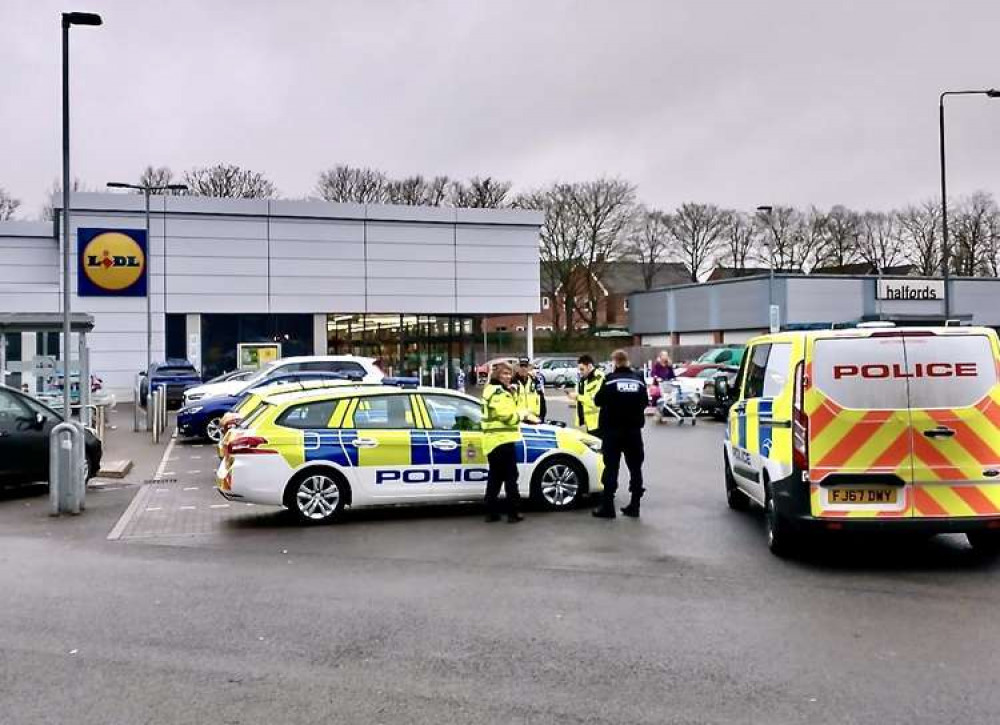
x=501, y=430
x=622, y=401
x=528, y=393
x=591, y=378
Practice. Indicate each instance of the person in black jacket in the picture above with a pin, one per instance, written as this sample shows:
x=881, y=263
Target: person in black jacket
x=622, y=401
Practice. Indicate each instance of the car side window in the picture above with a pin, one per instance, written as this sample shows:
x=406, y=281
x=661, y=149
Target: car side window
x=756, y=372
x=452, y=413
x=382, y=412
x=316, y=414
x=11, y=410
x=777, y=371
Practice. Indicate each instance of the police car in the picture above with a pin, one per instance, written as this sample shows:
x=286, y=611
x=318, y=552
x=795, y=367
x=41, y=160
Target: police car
x=874, y=428
x=318, y=452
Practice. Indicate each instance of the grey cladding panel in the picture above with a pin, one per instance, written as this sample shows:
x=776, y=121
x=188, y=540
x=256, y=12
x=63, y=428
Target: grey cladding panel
x=820, y=299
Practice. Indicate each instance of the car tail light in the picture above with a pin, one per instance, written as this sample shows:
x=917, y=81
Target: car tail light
x=246, y=445
x=800, y=420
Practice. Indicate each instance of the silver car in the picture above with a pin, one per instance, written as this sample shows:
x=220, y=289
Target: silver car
x=558, y=371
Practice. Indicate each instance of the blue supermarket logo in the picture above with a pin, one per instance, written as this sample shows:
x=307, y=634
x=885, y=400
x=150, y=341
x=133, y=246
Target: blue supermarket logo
x=112, y=262
x=431, y=475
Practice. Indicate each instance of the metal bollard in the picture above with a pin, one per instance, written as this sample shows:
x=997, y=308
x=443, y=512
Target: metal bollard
x=163, y=409
x=153, y=410
x=67, y=469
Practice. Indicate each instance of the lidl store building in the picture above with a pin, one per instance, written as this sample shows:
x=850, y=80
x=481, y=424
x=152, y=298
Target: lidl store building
x=734, y=310
x=407, y=285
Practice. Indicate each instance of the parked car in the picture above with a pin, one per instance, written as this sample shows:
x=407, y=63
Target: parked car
x=717, y=394
x=362, y=368
x=724, y=355
x=25, y=427
x=203, y=419
x=693, y=384
x=558, y=371
x=174, y=375
x=244, y=374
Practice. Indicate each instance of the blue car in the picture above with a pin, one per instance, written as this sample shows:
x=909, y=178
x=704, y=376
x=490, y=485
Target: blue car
x=203, y=418
x=172, y=375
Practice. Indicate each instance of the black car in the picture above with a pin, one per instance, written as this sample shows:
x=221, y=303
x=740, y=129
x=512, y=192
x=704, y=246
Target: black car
x=174, y=375
x=25, y=427
x=716, y=399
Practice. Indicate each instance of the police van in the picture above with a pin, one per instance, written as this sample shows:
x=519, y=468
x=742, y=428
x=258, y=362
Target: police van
x=318, y=452
x=869, y=428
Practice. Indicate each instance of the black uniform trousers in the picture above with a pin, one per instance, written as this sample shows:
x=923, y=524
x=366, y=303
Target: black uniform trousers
x=613, y=447
x=503, y=472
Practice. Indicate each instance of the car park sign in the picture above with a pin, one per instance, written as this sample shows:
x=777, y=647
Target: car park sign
x=112, y=262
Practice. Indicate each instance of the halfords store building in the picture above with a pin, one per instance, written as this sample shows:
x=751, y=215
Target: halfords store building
x=734, y=310
x=407, y=285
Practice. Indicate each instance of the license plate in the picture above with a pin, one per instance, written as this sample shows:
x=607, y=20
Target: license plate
x=879, y=494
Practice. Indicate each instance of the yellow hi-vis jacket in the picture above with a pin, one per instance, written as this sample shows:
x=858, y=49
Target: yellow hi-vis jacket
x=501, y=417
x=528, y=396
x=587, y=411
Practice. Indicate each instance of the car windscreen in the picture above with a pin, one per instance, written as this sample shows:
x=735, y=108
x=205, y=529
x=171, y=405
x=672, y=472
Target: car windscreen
x=176, y=370
x=255, y=414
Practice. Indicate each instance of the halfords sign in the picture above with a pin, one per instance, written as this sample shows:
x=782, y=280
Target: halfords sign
x=112, y=262
x=910, y=289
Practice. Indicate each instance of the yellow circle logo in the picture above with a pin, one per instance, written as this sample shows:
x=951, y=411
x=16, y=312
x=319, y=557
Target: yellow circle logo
x=113, y=261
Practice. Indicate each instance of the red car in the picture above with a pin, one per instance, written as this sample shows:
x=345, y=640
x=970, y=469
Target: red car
x=727, y=355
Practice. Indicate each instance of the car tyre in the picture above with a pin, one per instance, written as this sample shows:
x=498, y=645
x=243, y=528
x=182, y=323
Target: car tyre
x=781, y=537
x=317, y=496
x=213, y=429
x=559, y=483
x=735, y=498
x=986, y=543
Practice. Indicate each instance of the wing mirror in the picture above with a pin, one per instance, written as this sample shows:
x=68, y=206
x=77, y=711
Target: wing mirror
x=722, y=389
x=40, y=421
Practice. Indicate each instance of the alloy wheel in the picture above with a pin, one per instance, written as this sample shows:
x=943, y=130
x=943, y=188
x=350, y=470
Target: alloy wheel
x=560, y=485
x=317, y=497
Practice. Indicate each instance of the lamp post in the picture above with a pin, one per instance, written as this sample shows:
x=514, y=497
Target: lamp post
x=146, y=190
x=765, y=211
x=68, y=20
x=945, y=247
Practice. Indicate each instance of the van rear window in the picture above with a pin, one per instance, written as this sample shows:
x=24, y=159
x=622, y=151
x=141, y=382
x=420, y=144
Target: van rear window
x=950, y=371
x=893, y=373
x=857, y=372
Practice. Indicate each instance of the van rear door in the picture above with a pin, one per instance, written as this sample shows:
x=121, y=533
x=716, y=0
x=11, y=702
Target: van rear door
x=859, y=442
x=955, y=409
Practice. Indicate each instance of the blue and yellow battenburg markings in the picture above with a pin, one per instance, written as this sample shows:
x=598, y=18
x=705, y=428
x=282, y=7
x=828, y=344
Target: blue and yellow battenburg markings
x=764, y=410
x=534, y=444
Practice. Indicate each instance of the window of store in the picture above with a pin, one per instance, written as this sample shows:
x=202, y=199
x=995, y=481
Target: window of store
x=220, y=334
x=177, y=336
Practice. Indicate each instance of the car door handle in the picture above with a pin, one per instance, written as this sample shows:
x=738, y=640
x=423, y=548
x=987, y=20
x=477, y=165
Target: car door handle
x=364, y=443
x=775, y=423
x=740, y=408
x=445, y=445
x=939, y=432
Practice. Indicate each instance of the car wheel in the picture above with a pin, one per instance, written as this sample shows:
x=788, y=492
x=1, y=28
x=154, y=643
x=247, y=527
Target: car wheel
x=316, y=496
x=735, y=498
x=986, y=543
x=213, y=429
x=781, y=538
x=559, y=483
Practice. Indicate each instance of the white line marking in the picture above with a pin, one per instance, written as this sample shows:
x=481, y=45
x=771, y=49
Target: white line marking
x=163, y=490
x=197, y=470
x=190, y=488
x=166, y=455
x=219, y=506
x=248, y=504
x=188, y=508
x=168, y=473
x=195, y=458
x=154, y=508
x=198, y=445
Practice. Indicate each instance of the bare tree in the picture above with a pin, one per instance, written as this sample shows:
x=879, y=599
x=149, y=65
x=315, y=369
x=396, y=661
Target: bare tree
x=740, y=241
x=841, y=239
x=158, y=176
x=8, y=205
x=416, y=191
x=229, y=180
x=351, y=184
x=484, y=193
x=48, y=210
x=882, y=246
x=991, y=257
x=920, y=230
x=604, y=209
x=970, y=239
x=791, y=240
x=650, y=243
x=699, y=230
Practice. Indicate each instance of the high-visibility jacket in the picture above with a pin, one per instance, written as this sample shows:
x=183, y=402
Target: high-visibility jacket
x=501, y=417
x=529, y=396
x=587, y=412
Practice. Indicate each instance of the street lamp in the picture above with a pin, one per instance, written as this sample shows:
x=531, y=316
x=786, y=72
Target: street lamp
x=146, y=190
x=68, y=20
x=945, y=247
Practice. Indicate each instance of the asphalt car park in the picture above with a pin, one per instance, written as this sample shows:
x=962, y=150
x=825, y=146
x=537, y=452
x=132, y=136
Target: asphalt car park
x=425, y=613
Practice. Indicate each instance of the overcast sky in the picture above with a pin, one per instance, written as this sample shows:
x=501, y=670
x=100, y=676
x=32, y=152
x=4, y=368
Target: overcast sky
x=734, y=102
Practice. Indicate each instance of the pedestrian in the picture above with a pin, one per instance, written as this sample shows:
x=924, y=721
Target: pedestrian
x=501, y=431
x=590, y=379
x=662, y=370
x=529, y=394
x=622, y=401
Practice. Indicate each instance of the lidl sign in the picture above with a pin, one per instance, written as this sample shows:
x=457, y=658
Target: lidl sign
x=112, y=262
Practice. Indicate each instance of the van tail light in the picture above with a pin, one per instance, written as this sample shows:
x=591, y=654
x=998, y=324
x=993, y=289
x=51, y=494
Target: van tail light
x=245, y=445
x=800, y=420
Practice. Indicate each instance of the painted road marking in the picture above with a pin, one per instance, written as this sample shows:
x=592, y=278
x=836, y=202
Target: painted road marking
x=154, y=508
x=188, y=508
x=195, y=471
x=219, y=506
x=190, y=488
x=196, y=458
